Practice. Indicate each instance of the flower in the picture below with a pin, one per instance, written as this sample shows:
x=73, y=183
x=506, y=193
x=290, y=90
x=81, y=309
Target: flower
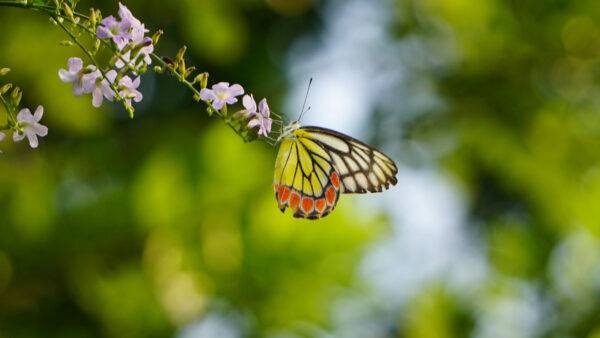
x=2, y=136
x=262, y=119
x=250, y=105
x=221, y=93
x=137, y=39
x=129, y=91
x=28, y=125
x=102, y=88
x=83, y=79
x=136, y=25
x=117, y=30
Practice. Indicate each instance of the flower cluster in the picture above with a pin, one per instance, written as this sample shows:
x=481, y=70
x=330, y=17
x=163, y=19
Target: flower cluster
x=133, y=49
x=222, y=94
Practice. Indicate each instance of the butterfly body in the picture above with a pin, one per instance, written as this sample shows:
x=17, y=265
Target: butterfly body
x=315, y=165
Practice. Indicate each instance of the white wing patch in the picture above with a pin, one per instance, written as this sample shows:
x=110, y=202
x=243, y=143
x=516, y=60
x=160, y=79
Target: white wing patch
x=361, y=167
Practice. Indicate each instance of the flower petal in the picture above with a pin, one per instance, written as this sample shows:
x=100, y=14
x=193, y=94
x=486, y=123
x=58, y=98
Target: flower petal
x=207, y=94
x=103, y=33
x=2, y=136
x=39, y=112
x=218, y=104
x=66, y=76
x=75, y=64
x=25, y=115
x=39, y=129
x=18, y=137
x=97, y=97
x=236, y=90
x=33, y=141
x=249, y=103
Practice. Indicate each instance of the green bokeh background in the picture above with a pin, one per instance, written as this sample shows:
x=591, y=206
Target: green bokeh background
x=147, y=227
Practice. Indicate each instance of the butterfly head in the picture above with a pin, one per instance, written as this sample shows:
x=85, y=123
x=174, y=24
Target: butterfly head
x=288, y=130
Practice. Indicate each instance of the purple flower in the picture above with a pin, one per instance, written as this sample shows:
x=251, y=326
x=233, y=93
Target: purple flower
x=2, y=136
x=221, y=93
x=102, y=88
x=125, y=14
x=129, y=89
x=83, y=79
x=262, y=119
x=28, y=125
x=117, y=30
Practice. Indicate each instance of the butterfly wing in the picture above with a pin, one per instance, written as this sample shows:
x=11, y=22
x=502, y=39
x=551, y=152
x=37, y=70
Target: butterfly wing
x=315, y=164
x=305, y=179
x=360, y=167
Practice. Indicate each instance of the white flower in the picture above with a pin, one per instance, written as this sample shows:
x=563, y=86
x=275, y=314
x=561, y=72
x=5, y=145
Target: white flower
x=28, y=125
x=129, y=90
x=2, y=136
x=250, y=105
x=262, y=119
x=102, y=89
x=221, y=93
x=82, y=79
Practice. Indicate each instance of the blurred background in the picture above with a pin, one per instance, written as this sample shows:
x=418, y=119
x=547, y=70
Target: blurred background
x=166, y=225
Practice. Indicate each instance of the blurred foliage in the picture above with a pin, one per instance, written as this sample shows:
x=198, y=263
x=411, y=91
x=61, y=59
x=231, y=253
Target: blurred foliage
x=147, y=227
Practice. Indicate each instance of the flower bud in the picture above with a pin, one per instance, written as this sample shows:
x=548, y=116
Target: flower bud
x=92, y=18
x=189, y=71
x=158, y=69
x=16, y=96
x=197, y=97
x=68, y=11
x=224, y=110
x=156, y=36
x=4, y=71
x=203, y=80
x=66, y=43
x=129, y=109
x=181, y=69
x=180, y=54
x=5, y=88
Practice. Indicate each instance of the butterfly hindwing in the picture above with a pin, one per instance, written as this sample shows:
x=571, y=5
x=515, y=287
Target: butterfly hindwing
x=305, y=180
x=314, y=165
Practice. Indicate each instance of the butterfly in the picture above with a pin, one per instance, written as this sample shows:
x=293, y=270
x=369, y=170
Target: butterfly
x=315, y=165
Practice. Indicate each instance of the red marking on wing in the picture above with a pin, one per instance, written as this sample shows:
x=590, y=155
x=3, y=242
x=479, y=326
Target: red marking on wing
x=330, y=195
x=307, y=204
x=284, y=193
x=334, y=180
x=294, y=201
x=320, y=204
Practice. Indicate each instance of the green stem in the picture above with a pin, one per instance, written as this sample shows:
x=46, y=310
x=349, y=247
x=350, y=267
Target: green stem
x=11, y=119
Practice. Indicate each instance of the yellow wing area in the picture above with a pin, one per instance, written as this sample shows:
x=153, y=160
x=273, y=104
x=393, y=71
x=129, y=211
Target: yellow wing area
x=314, y=165
x=305, y=180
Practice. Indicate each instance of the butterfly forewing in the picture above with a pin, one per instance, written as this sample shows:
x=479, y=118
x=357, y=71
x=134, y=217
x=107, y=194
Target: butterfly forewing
x=361, y=167
x=314, y=165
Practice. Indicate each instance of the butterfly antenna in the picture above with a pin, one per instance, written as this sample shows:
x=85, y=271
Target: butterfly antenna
x=305, y=97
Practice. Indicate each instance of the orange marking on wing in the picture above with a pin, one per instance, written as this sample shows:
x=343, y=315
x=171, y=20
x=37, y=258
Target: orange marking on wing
x=330, y=195
x=320, y=204
x=284, y=193
x=276, y=187
x=294, y=201
x=335, y=180
x=307, y=204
